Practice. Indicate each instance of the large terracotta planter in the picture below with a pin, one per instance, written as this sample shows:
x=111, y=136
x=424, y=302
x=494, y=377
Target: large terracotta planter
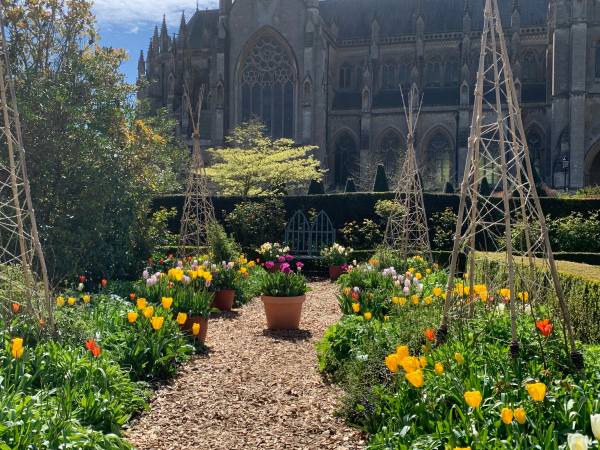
x=335, y=272
x=283, y=313
x=203, y=321
x=224, y=299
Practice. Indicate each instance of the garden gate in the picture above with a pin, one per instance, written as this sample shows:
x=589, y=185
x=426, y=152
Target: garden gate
x=308, y=239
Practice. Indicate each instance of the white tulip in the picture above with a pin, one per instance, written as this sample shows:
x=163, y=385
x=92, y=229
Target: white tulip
x=595, y=418
x=578, y=441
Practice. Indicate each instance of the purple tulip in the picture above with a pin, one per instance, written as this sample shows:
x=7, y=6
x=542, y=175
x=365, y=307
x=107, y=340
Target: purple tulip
x=145, y=274
x=281, y=259
x=406, y=289
x=289, y=258
x=299, y=265
x=285, y=267
x=269, y=265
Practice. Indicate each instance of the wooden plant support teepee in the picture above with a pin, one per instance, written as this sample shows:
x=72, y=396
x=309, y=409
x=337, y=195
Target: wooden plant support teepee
x=406, y=230
x=198, y=210
x=23, y=272
x=511, y=220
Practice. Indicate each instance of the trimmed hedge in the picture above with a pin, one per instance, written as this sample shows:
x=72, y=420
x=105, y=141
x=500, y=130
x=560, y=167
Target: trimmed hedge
x=343, y=208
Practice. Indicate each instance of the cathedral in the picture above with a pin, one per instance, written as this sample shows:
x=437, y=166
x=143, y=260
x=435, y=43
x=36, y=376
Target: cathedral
x=330, y=73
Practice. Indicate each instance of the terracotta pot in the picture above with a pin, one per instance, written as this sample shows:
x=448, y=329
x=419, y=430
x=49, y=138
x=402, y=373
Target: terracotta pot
x=283, y=313
x=224, y=299
x=203, y=321
x=335, y=272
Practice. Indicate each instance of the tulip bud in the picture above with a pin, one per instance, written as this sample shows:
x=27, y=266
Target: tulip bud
x=595, y=419
x=577, y=441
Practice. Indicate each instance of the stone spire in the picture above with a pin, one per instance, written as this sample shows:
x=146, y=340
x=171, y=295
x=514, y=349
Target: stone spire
x=155, y=41
x=182, y=35
x=164, y=36
x=141, y=65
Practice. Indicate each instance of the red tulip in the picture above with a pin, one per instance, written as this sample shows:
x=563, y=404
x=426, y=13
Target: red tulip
x=545, y=327
x=96, y=351
x=15, y=308
x=90, y=344
x=429, y=334
x=104, y=282
x=132, y=296
x=81, y=278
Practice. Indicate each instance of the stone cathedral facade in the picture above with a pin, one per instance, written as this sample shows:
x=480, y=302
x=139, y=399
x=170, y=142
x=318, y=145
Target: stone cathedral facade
x=328, y=73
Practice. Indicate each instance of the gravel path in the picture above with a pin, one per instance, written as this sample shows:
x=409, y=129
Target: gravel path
x=254, y=390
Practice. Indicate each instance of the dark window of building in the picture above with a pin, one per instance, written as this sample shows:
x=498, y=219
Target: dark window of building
x=535, y=143
x=433, y=74
x=439, y=162
x=388, y=76
x=390, y=153
x=345, y=81
x=346, y=158
x=452, y=73
x=268, y=83
x=597, y=60
x=529, y=68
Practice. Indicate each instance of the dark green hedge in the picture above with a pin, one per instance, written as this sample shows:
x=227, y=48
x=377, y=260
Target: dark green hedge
x=343, y=208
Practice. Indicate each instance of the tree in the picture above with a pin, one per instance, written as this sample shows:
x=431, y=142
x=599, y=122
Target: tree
x=252, y=163
x=316, y=188
x=381, y=182
x=94, y=164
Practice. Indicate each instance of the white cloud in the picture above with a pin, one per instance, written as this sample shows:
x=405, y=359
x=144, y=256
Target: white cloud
x=132, y=12
x=134, y=30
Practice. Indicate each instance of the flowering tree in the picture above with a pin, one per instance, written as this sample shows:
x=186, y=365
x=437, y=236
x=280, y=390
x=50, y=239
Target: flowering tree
x=255, y=164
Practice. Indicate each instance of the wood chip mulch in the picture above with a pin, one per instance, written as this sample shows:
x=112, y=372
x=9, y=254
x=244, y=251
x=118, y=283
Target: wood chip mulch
x=254, y=389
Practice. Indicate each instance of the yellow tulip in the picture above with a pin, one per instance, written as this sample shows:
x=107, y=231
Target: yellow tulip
x=473, y=399
x=507, y=415
x=415, y=378
x=251, y=264
x=505, y=292
x=411, y=269
x=418, y=276
x=410, y=364
x=167, y=302
x=402, y=351
x=520, y=415
x=148, y=311
x=428, y=300
x=402, y=301
x=196, y=329
x=415, y=299
x=437, y=291
x=16, y=348
x=391, y=362
x=460, y=359
x=537, y=391
x=423, y=361
x=395, y=300
x=347, y=291
x=428, y=271
x=243, y=270
x=60, y=300
x=386, y=318
x=181, y=318
x=132, y=316
x=86, y=298
x=157, y=322
x=439, y=368
x=368, y=316
x=71, y=301
x=141, y=303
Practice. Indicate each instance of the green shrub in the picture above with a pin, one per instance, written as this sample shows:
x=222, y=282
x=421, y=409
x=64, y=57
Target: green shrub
x=366, y=235
x=444, y=228
x=222, y=247
x=576, y=232
x=252, y=223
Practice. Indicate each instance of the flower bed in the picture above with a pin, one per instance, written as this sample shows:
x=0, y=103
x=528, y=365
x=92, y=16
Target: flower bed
x=406, y=392
x=77, y=387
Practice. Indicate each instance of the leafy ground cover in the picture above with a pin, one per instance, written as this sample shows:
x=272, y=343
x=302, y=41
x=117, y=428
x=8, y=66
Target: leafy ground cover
x=408, y=393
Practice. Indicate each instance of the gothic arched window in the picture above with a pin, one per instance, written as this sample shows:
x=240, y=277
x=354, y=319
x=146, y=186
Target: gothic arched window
x=346, y=158
x=452, y=73
x=433, y=74
x=438, y=164
x=535, y=143
x=388, y=76
x=390, y=153
x=345, y=81
x=268, y=83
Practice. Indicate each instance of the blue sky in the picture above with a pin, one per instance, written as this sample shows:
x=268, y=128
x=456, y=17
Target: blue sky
x=129, y=24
